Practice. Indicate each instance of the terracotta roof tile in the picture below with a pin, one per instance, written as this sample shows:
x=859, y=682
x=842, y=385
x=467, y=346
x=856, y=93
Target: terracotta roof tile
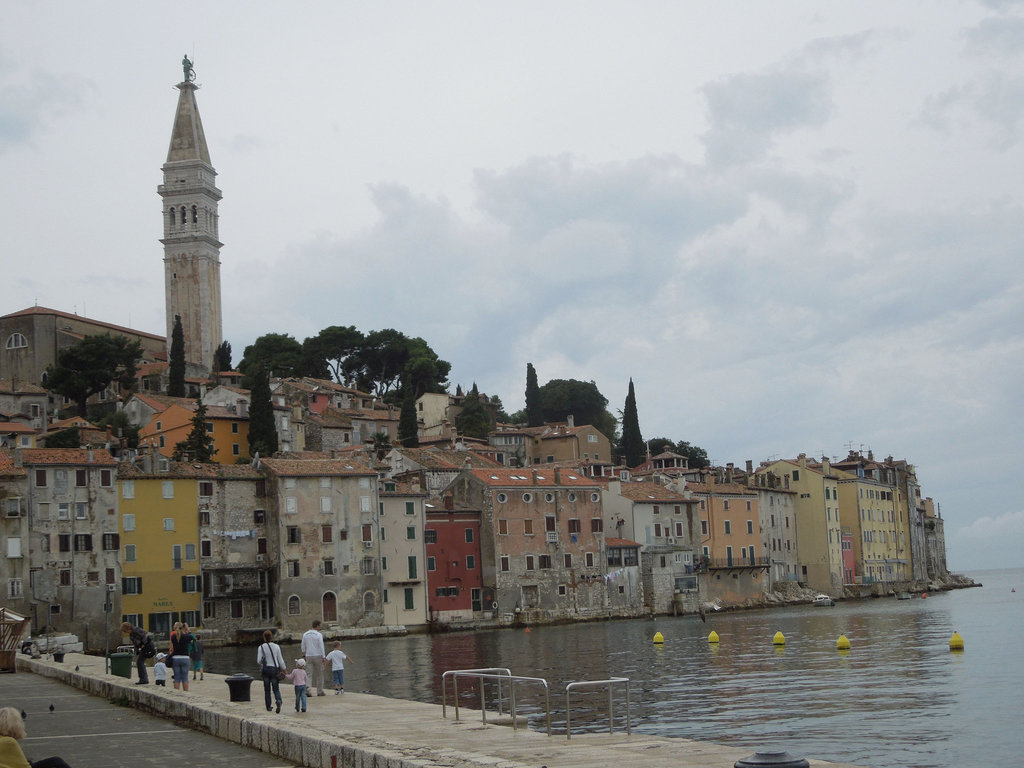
x=66, y=456
x=650, y=493
x=348, y=466
x=515, y=478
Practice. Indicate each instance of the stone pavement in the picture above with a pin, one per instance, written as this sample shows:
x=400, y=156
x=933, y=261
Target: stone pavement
x=363, y=731
x=91, y=732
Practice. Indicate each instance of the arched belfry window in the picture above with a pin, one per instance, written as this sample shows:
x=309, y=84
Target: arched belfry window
x=195, y=215
x=183, y=214
x=171, y=217
x=16, y=341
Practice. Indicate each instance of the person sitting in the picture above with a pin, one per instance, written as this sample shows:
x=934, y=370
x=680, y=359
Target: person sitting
x=12, y=729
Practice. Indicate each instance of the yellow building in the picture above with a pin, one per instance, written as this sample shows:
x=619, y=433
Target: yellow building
x=876, y=515
x=229, y=430
x=161, y=580
x=818, y=526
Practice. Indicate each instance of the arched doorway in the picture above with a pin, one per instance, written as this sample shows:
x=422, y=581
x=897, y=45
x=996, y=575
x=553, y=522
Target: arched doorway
x=329, y=607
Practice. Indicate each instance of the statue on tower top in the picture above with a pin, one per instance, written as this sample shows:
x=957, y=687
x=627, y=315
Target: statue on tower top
x=186, y=65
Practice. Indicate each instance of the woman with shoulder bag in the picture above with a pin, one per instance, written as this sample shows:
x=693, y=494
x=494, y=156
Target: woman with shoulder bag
x=272, y=668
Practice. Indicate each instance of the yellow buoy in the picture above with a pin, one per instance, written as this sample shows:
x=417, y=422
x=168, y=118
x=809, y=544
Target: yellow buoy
x=659, y=638
x=956, y=643
x=779, y=639
x=843, y=643
x=713, y=637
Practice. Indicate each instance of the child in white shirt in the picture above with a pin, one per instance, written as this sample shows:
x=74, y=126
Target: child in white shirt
x=337, y=659
x=160, y=670
x=298, y=678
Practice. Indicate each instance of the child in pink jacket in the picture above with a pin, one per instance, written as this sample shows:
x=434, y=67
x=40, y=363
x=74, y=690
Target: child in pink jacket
x=298, y=678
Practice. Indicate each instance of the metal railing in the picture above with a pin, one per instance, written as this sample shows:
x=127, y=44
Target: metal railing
x=498, y=674
x=611, y=683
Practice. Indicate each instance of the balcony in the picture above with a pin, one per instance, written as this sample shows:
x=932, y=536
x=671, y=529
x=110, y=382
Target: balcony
x=735, y=562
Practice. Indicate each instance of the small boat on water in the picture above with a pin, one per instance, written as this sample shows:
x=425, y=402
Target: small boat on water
x=902, y=595
x=823, y=599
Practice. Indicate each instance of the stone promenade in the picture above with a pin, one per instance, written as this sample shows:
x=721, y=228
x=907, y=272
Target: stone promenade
x=356, y=730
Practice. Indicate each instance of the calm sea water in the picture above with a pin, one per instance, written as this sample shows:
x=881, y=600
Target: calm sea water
x=899, y=697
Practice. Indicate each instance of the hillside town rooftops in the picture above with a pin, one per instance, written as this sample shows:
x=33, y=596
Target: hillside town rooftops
x=127, y=470
x=651, y=493
x=512, y=478
x=67, y=456
x=310, y=467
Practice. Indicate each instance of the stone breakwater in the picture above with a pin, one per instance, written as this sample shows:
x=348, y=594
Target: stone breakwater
x=363, y=731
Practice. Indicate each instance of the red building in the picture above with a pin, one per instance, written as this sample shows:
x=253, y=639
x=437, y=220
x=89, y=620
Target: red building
x=454, y=573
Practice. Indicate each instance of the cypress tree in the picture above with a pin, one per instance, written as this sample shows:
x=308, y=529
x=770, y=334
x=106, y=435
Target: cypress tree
x=534, y=409
x=198, y=446
x=262, y=429
x=632, y=441
x=222, y=357
x=176, y=383
x=473, y=420
x=408, y=429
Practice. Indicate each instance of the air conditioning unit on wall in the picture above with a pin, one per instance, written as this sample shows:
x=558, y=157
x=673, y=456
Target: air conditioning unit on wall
x=260, y=558
x=367, y=544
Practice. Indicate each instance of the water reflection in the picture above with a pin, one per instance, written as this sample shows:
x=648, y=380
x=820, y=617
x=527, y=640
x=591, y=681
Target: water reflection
x=897, y=698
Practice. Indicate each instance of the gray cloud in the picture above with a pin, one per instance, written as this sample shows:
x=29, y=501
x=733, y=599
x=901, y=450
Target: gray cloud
x=998, y=37
x=747, y=112
x=996, y=101
x=28, y=103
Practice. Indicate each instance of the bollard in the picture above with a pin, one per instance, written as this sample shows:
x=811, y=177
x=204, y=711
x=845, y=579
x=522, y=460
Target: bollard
x=774, y=758
x=238, y=687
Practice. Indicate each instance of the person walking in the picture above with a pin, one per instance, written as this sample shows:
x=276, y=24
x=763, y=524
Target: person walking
x=298, y=678
x=337, y=658
x=313, y=652
x=181, y=639
x=196, y=654
x=144, y=647
x=270, y=659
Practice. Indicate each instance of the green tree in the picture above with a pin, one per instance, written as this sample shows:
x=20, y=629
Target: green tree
x=561, y=398
x=65, y=438
x=90, y=366
x=534, y=407
x=330, y=348
x=262, y=429
x=632, y=444
x=176, y=372
x=408, y=428
x=697, y=457
x=473, y=420
x=276, y=353
x=389, y=358
x=222, y=357
x=121, y=427
x=198, y=446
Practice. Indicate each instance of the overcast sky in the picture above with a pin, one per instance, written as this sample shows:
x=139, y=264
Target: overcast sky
x=796, y=225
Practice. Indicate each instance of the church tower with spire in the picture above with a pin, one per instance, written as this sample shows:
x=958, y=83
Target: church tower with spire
x=191, y=245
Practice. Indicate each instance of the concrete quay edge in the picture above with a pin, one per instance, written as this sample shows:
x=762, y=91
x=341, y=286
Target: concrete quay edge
x=358, y=730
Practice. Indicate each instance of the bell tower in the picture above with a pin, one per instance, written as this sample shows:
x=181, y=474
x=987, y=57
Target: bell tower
x=190, y=218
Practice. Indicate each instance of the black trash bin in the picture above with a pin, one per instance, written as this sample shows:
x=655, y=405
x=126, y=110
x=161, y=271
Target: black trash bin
x=121, y=664
x=238, y=687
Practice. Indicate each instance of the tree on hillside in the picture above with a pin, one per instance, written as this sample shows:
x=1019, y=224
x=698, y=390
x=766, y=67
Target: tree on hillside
x=388, y=358
x=408, y=428
x=176, y=370
x=90, y=366
x=697, y=456
x=278, y=354
x=561, y=398
x=632, y=444
x=473, y=420
x=262, y=429
x=222, y=357
x=534, y=408
x=332, y=347
x=198, y=446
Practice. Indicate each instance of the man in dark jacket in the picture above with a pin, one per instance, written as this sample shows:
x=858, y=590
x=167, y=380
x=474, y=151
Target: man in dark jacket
x=144, y=646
